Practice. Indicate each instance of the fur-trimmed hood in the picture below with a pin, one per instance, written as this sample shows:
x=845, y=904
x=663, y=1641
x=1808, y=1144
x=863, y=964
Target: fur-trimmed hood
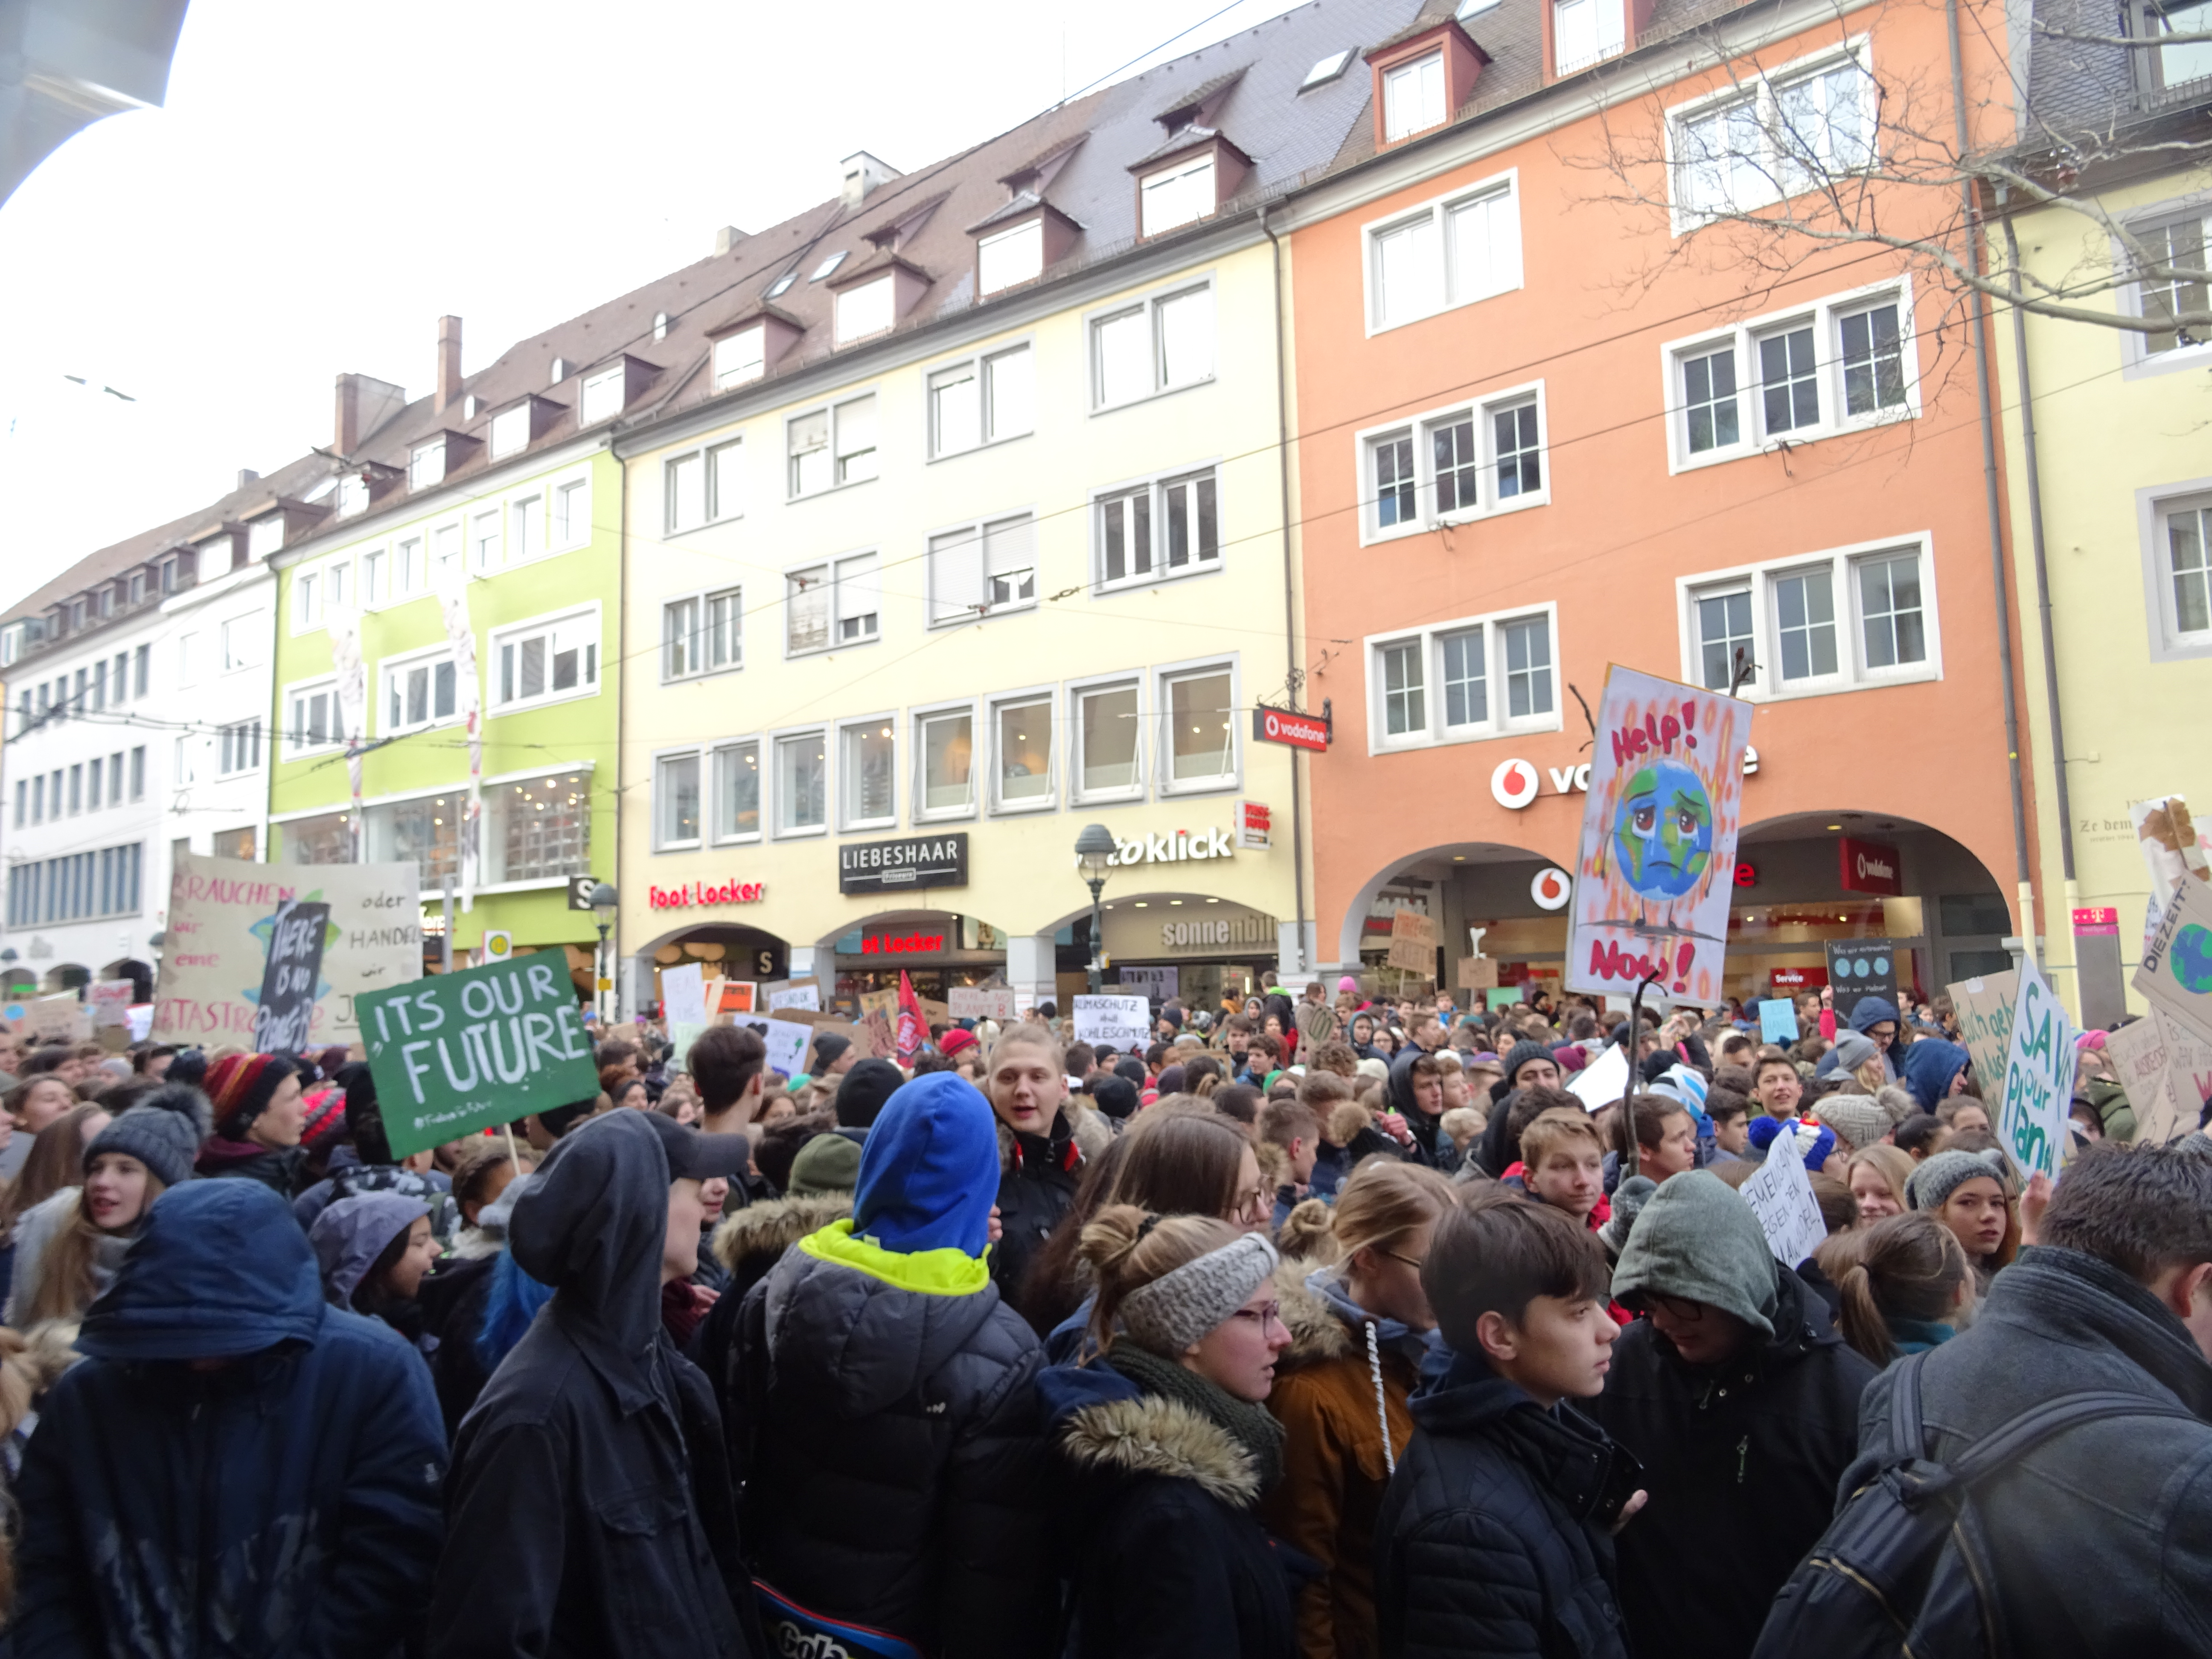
x=1087, y=1127
x=771, y=1229
x=1152, y=1436
x=1317, y=1332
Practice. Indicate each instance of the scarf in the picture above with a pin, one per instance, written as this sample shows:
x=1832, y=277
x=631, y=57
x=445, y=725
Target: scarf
x=1249, y=1425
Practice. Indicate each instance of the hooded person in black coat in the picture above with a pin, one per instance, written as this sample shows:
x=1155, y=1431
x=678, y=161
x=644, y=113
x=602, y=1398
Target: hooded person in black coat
x=1419, y=1099
x=591, y=1509
x=1742, y=1401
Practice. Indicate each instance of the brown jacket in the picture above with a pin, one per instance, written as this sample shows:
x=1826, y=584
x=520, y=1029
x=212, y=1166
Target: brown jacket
x=1334, y=1468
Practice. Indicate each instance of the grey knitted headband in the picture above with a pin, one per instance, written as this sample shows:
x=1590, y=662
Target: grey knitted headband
x=1179, y=1307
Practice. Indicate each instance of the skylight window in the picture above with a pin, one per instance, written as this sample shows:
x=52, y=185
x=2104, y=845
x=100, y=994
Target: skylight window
x=1333, y=65
x=782, y=282
x=1473, y=8
x=826, y=267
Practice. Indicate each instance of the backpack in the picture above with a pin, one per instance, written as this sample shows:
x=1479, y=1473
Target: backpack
x=1904, y=1568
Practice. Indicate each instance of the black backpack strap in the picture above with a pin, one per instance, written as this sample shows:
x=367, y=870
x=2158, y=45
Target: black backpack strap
x=2031, y=1429
x=1907, y=1439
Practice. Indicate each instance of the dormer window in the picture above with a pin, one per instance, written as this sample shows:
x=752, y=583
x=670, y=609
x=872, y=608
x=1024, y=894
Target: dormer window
x=138, y=586
x=604, y=394
x=106, y=601
x=1413, y=97
x=426, y=466
x=741, y=358
x=510, y=432
x=1010, y=256
x=353, y=494
x=1178, y=195
x=265, y=535
x=76, y=614
x=870, y=308
x=1586, y=32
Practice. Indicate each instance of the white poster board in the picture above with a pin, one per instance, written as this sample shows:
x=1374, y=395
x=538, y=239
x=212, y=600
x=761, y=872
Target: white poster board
x=110, y=1000
x=786, y=1041
x=980, y=1001
x=797, y=994
x=1599, y=1084
x=684, y=992
x=1781, y=1196
x=1124, y=1022
x=2038, y=1079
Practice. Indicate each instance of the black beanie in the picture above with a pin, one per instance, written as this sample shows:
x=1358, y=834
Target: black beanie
x=1130, y=1070
x=1117, y=1097
x=862, y=1091
x=828, y=1047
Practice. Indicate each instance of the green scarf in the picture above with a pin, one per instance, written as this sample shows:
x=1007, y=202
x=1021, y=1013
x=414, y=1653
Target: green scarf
x=1250, y=1426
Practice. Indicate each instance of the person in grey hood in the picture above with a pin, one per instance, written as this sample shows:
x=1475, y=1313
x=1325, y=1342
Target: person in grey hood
x=374, y=1250
x=590, y=1509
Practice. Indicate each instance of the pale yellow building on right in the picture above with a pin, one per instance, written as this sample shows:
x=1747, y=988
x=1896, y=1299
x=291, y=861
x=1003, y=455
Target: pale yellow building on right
x=2108, y=465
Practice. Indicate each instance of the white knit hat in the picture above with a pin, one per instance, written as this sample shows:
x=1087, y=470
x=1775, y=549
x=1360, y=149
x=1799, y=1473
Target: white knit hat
x=1180, y=1306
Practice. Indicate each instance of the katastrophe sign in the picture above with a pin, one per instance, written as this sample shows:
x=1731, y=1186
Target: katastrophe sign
x=456, y=1053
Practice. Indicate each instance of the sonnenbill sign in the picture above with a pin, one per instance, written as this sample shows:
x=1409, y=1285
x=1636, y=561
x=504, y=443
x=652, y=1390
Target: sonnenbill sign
x=874, y=866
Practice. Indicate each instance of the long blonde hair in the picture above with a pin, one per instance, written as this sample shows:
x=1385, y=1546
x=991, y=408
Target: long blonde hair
x=66, y=1286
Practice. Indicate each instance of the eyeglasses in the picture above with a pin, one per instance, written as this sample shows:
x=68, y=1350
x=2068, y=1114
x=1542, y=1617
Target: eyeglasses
x=1415, y=1262
x=1263, y=1317
x=1251, y=1202
x=1674, y=1307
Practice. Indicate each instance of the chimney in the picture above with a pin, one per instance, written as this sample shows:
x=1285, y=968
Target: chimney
x=449, y=359
x=861, y=173
x=727, y=239
x=364, y=404
x=246, y=475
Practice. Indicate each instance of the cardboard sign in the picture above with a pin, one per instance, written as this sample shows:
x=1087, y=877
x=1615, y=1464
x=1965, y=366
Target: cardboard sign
x=837, y=1028
x=1656, y=867
x=2038, y=1078
x=1781, y=1196
x=286, y=1010
x=2146, y=1058
x=1411, y=956
x=2176, y=973
x=463, y=1051
x=1408, y=923
x=683, y=995
x=980, y=1001
x=1777, y=1021
x=934, y=1013
x=60, y=1018
x=1125, y=1022
x=793, y=994
x=1984, y=1010
x=875, y=1036
x=885, y=1001
x=1476, y=973
x=110, y=1000
x=221, y=913
x=786, y=1041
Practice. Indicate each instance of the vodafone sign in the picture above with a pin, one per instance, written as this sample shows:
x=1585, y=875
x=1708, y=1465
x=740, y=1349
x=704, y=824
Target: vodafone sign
x=1514, y=783
x=1551, y=889
x=1300, y=731
x=1869, y=866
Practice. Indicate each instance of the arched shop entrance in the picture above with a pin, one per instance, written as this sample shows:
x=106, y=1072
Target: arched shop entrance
x=724, y=950
x=1515, y=897
x=937, y=950
x=1204, y=952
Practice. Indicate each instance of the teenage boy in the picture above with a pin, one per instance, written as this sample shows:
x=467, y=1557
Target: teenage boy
x=1776, y=1088
x=1494, y=1535
x=1729, y=1114
x=730, y=1065
x=1293, y=1129
x=1416, y=1093
x=1563, y=1164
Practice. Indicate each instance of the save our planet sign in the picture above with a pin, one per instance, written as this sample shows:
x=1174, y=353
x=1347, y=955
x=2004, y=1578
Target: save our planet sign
x=455, y=1053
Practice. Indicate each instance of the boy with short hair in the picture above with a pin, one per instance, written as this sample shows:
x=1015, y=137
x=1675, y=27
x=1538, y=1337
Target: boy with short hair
x=1776, y=1086
x=1729, y=1115
x=1563, y=1164
x=1494, y=1535
x=1293, y=1129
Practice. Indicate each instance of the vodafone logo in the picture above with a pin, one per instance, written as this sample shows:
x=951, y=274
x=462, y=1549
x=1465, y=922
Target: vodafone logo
x=1551, y=890
x=1880, y=868
x=1514, y=785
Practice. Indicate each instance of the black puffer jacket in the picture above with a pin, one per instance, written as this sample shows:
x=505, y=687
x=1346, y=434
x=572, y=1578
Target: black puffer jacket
x=2100, y=1537
x=1749, y=1453
x=747, y=1244
x=1483, y=1546
x=1037, y=1177
x=1430, y=1145
x=895, y=1471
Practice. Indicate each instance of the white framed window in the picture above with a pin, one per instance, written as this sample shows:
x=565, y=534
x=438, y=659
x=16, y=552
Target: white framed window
x=838, y=603
x=376, y=576
x=1586, y=32
x=1159, y=344
x=510, y=431
x=1449, y=253
x=676, y=801
x=1106, y=727
x=976, y=570
x=237, y=749
x=706, y=485
x=605, y=394
x=189, y=649
x=944, y=762
x=741, y=358
x=2176, y=556
x=702, y=633
x=550, y=659
x=307, y=600
x=419, y=692
x=262, y=537
x=1464, y=680
x=242, y=639
x=983, y=401
x=526, y=518
x=483, y=540
x=425, y=465
x=802, y=783
x=829, y=447
x=1413, y=97
x=352, y=495
x=1008, y=257
x=1023, y=753
x=1837, y=620
x=1156, y=529
x=1453, y=466
x=311, y=720
x=867, y=773
x=2178, y=243
x=1179, y=195
x=827, y=268
x=1775, y=135
x=1839, y=365
x=867, y=308
x=1197, y=748
x=444, y=552
x=736, y=773
x=571, y=513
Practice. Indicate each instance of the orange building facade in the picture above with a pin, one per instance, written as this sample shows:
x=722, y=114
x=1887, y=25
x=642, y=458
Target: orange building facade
x=1550, y=416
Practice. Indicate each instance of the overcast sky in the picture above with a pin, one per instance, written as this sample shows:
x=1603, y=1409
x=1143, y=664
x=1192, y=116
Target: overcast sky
x=327, y=179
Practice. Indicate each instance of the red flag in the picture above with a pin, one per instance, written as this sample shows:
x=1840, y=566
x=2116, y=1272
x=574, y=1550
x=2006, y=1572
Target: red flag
x=912, y=1030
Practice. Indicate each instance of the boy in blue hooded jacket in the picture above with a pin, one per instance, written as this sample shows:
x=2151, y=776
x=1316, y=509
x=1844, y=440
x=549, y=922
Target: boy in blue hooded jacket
x=896, y=1480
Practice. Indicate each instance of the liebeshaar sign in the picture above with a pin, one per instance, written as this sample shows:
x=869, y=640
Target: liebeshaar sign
x=2038, y=1078
x=455, y=1053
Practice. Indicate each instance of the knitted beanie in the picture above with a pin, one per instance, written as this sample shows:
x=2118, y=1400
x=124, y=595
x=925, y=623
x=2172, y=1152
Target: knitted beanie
x=1180, y=1306
x=1897, y=1102
x=1853, y=1050
x=1858, y=1120
x=955, y=1041
x=1628, y=1201
x=1935, y=1180
x=827, y=1164
x=163, y=1132
x=327, y=1117
x=241, y=1086
x=1520, y=1054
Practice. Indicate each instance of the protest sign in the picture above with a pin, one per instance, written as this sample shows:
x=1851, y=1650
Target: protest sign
x=1656, y=867
x=875, y=1038
x=284, y=1016
x=1158, y=983
x=463, y=1051
x=738, y=996
x=2173, y=851
x=834, y=1027
x=62, y=1018
x=1476, y=973
x=1599, y=1084
x=2175, y=976
x=684, y=994
x=1125, y=1022
x=792, y=994
x=786, y=1041
x=2161, y=1093
x=2038, y=1078
x=1410, y=924
x=886, y=1002
x=110, y=1000
x=1781, y=1196
x=1411, y=956
x=1777, y=1021
x=221, y=913
x=1862, y=968
x=1984, y=1010
x=980, y=1001
x=934, y=1013
x=142, y=1020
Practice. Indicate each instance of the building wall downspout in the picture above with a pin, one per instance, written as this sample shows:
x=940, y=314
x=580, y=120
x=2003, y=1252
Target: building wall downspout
x=614, y=957
x=2023, y=866
x=1299, y=962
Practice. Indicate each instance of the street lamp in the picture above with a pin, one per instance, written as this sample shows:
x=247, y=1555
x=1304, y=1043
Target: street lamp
x=1094, y=850
x=604, y=901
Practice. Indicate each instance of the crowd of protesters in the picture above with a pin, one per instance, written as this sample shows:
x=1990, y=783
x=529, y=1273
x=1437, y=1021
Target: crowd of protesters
x=1324, y=1325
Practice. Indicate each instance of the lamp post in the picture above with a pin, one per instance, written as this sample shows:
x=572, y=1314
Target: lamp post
x=1094, y=854
x=605, y=901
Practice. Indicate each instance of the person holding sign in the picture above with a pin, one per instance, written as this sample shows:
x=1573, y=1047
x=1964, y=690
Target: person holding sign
x=1971, y=1193
x=258, y=1115
x=1740, y=1400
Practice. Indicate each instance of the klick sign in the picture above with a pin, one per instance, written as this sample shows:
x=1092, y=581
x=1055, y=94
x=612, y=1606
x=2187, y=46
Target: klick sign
x=455, y=1053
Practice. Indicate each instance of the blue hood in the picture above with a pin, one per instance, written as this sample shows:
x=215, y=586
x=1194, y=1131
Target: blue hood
x=1929, y=1066
x=1064, y=1390
x=929, y=1171
x=353, y=1232
x=1871, y=1011
x=221, y=1270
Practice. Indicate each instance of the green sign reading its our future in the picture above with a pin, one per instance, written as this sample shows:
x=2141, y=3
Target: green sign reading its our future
x=455, y=1053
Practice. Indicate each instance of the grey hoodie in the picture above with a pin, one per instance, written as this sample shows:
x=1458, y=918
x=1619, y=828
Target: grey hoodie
x=349, y=1235
x=1696, y=1238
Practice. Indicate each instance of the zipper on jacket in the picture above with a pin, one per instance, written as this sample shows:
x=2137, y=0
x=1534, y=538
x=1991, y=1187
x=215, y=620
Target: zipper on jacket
x=1743, y=1452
